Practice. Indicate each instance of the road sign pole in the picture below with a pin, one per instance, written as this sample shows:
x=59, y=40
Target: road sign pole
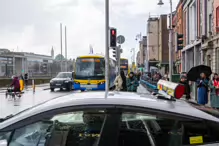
x=106, y=47
x=118, y=53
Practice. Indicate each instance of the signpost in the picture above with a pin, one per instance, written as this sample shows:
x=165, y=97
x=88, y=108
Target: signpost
x=120, y=40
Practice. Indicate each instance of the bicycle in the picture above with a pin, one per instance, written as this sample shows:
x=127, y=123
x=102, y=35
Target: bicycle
x=13, y=94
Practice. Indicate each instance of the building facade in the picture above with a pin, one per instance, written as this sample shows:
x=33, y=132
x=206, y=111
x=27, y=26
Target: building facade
x=157, y=43
x=143, y=50
x=210, y=40
x=200, y=21
x=36, y=65
x=153, y=39
x=178, y=29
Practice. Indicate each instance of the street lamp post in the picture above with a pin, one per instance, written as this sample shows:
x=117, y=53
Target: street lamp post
x=170, y=40
x=133, y=56
x=61, y=44
x=106, y=47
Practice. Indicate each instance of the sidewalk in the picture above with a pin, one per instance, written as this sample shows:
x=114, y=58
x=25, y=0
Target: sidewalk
x=30, y=86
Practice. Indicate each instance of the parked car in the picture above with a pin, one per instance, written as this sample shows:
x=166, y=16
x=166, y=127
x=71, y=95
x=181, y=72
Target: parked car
x=62, y=80
x=121, y=119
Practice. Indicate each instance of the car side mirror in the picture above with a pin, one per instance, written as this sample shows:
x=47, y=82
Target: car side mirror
x=3, y=142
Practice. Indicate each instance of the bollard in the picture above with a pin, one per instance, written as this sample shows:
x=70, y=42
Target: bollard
x=33, y=85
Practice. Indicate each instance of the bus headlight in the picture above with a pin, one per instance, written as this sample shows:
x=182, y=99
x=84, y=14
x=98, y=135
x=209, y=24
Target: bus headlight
x=102, y=82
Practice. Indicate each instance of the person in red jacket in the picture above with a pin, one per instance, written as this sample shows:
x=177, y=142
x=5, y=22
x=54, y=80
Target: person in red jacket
x=16, y=84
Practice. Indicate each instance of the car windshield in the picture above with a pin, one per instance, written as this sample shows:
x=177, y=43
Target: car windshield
x=64, y=75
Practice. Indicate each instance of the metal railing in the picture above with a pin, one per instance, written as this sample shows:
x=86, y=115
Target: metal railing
x=149, y=83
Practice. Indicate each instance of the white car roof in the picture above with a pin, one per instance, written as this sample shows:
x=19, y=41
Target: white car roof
x=114, y=98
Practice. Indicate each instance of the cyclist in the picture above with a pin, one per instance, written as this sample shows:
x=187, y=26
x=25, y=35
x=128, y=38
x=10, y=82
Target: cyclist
x=16, y=84
x=26, y=79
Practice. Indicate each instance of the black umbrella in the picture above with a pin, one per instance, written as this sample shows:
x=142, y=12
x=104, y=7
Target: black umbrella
x=194, y=73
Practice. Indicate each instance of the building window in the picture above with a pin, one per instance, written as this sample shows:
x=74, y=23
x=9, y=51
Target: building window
x=210, y=24
x=217, y=19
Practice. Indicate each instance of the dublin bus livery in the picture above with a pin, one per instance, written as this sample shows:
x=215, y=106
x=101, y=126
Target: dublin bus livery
x=90, y=72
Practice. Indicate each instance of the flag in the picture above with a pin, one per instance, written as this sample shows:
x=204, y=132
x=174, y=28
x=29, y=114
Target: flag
x=91, y=50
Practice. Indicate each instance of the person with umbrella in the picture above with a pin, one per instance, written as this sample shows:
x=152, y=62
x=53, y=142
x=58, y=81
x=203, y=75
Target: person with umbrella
x=200, y=74
x=202, y=89
x=214, y=95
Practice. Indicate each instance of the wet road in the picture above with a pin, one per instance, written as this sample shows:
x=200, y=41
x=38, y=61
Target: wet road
x=28, y=99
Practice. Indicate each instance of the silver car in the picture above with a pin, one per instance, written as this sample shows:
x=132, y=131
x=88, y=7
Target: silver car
x=122, y=119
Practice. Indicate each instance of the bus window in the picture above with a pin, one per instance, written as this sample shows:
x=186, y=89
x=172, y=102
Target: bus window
x=90, y=68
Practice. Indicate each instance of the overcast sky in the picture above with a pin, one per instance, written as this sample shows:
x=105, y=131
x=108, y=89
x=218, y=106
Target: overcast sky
x=34, y=25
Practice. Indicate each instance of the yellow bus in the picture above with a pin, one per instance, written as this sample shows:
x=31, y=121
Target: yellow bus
x=124, y=65
x=90, y=72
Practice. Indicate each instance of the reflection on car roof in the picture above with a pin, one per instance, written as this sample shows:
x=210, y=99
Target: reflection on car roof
x=115, y=98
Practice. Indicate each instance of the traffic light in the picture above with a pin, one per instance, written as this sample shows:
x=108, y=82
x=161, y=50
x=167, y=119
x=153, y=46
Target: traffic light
x=179, y=41
x=113, y=37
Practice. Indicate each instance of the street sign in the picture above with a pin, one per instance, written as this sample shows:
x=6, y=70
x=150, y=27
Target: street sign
x=120, y=39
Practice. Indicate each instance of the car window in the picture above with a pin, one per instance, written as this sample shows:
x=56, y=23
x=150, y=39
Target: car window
x=73, y=128
x=144, y=129
x=5, y=135
x=64, y=75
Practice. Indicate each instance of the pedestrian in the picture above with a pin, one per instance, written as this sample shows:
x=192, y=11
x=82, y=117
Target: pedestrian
x=132, y=83
x=138, y=76
x=183, y=80
x=120, y=82
x=202, y=85
x=214, y=94
x=21, y=82
x=26, y=79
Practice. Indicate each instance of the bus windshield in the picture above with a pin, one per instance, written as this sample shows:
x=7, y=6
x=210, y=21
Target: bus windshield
x=90, y=68
x=124, y=65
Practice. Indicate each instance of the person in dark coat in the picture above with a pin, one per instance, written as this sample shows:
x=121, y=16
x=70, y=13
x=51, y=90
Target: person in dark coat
x=16, y=84
x=122, y=74
x=26, y=79
x=132, y=83
x=183, y=80
x=202, y=89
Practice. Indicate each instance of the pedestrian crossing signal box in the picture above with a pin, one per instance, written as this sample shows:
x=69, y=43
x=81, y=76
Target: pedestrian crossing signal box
x=179, y=41
x=115, y=52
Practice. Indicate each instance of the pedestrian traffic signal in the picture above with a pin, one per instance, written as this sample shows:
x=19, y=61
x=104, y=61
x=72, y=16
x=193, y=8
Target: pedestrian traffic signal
x=113, y=36
x=115, y=52
x=179, y=41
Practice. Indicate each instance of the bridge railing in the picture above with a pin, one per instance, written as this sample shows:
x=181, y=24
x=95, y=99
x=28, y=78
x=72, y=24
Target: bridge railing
x=149, y=83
